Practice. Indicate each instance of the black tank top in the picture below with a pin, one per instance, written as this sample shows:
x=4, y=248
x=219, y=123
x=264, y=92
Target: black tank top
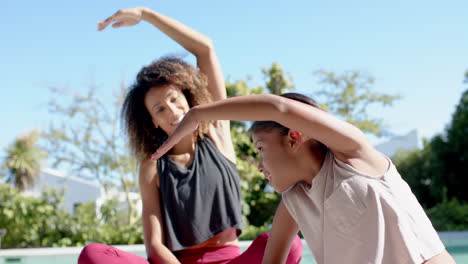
x=200, y=201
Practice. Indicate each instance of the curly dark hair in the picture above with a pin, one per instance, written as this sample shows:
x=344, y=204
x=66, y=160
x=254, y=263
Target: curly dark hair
x=143, y=137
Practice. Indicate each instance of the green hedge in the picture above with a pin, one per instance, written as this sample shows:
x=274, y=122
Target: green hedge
x=43, y=222
x=449, y=215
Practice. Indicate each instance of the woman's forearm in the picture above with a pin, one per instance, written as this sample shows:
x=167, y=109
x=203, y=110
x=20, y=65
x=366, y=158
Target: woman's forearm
x=160, y=254
x=195, y=42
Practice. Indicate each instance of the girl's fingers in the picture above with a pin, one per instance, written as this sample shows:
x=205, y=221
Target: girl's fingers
x=118, y=24
x=104, y=23
x=155, y=156
x=166, y=146
x=159, y=152
x=101, y=25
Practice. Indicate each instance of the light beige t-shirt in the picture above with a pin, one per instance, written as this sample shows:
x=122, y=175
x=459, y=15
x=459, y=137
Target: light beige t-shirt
x=349, y=217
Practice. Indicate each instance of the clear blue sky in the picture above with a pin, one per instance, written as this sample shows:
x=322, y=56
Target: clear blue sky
x=418, y=49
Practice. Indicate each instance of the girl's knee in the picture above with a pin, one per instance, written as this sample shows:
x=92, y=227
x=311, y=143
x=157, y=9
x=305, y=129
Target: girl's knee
x=90, y=253
x=263, y=238
x=295, y=252
x=94, y=246
x=297, y=243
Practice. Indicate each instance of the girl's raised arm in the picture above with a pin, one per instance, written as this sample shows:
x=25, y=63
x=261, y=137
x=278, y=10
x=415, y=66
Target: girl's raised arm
x=339, y=136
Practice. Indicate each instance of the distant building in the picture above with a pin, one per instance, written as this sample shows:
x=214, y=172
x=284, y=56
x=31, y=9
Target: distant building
x=406, y=142
x=121, y=198
x=78, y=190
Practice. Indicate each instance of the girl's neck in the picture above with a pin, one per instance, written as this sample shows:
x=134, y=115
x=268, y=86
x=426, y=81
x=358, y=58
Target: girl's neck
x=315, y=158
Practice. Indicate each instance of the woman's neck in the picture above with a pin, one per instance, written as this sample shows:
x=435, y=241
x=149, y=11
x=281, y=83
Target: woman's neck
x=186, y=145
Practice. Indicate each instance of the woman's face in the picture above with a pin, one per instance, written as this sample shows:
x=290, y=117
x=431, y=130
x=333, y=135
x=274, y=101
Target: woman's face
x=276, y=161
x=167, y=106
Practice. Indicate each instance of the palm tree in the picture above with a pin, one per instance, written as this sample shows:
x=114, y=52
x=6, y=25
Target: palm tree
x=23, y=161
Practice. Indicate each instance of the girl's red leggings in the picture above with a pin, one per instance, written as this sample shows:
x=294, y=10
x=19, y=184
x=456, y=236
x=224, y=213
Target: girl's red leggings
x=96, y=253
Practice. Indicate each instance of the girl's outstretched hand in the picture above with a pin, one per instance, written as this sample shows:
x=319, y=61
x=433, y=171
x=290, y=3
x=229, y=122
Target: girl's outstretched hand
x=123, y=17
x=185, y=127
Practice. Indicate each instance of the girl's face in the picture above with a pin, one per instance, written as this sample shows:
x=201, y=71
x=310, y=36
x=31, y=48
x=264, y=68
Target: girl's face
x=276, y=160
x=167, y=106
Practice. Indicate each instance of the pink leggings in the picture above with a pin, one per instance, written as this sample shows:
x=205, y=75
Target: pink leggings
x=96, y=253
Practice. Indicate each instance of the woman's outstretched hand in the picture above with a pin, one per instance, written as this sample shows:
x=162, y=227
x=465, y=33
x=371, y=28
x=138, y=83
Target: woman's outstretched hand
x=186, y=127
x=123, y=17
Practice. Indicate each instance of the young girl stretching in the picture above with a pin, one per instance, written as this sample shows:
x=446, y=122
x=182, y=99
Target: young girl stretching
x=348, y=199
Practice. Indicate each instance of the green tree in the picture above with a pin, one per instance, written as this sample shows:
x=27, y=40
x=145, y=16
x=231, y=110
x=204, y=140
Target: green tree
x=238, y=88
x=34, y=222
x=348, y=95
x=276, y=80
x=247, y=159
x=43, y=222
x=23, y=160
x=437, y=173
x=454, y=152
x=449, y=215
x=417, y=168
x=88, y=140
x=258, y=206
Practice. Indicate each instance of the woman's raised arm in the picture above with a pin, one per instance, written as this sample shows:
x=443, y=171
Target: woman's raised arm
x=196, y=43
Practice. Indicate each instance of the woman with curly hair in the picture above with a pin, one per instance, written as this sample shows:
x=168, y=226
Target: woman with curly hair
x=191, y=196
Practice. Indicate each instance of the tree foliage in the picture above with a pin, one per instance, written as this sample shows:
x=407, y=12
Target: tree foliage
x=348, y=95
x=43, y=222
x=438, y=171
x=33, y=222
x=421, y=177
x=449, y=215
x=247, y=162
x=86, y=138
x=454, y=151
x=276, y=80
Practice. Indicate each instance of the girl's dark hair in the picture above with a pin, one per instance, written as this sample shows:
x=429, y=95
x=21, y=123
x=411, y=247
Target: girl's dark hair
x=143, y=137
x=267, y=126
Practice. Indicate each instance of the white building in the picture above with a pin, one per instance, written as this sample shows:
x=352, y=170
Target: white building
x=406, y=142
x=121, y=198
x=77, y=190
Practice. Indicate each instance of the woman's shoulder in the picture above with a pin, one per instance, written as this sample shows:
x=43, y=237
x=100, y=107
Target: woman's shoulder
x=146, y=164
x=147, y=170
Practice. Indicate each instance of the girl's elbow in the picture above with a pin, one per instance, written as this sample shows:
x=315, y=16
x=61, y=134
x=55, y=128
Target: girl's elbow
x=279, y=103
